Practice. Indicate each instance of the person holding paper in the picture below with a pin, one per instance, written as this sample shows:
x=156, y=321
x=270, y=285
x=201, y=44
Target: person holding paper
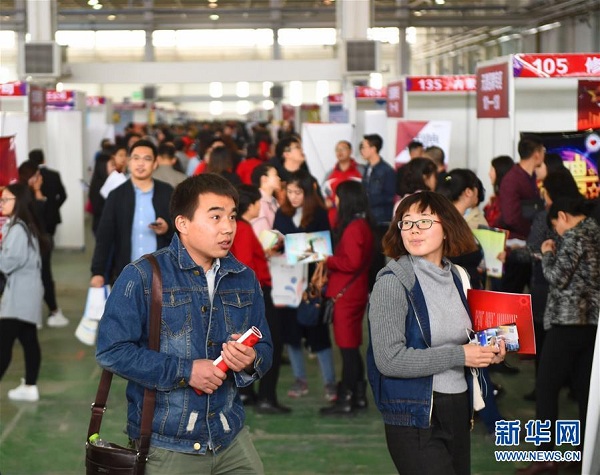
x=419, y=358
x=303, y=211
x=572, y=268
x=23, y=240
x=209, y=300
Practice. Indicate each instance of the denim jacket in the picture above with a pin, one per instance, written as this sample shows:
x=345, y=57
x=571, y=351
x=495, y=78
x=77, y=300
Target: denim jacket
x=191, y=328
x=408, y=401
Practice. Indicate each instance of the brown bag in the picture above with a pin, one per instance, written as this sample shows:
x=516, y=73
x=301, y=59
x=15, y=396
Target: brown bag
x=113, y=459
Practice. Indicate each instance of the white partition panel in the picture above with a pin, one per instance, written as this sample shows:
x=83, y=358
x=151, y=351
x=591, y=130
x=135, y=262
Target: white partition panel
x=64, y=153
x=318, y=142
x=96, y=129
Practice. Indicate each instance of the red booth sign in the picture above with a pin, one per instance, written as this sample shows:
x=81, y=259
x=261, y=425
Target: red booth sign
x=492, y=91
x=365, y=92
x=556, y=65
x=335, y=98
x=12, y=89
x=441, y=83
x=394, y=106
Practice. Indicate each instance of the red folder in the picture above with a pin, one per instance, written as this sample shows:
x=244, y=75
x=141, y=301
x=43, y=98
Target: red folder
x=491, y=309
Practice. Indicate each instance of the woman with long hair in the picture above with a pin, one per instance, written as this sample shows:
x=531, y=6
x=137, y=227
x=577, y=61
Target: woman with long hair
x=103, y=167
x=303, y=211
x=348, y=283
x=499, y=168
x=21, y=305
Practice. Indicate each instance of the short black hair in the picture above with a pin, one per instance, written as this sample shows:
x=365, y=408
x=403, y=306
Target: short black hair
x=184, y=200
x=37, y=156
x=414, y=144
x=248, y=195
x=374, y=140
x=573, y=205
x=259, y=172
x=144, y=143
x=166, y=149
x=528, y=146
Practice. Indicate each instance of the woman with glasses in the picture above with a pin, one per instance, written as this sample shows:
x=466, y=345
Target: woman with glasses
x=419, y=357
x=21, y=305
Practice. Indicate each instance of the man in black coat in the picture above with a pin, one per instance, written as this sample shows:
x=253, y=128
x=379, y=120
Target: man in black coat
x=55, y=195
x=135, y=219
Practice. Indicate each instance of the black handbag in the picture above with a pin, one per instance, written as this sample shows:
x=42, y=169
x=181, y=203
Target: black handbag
x=114, y=459
x=315, y=308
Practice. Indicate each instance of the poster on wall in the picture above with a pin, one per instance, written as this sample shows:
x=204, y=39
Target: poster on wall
x=8, y=160
x=428, y=132
x=588, y=104
x=580, y=152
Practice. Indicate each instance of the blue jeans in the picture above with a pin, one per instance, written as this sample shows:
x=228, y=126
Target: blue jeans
x=325, y=358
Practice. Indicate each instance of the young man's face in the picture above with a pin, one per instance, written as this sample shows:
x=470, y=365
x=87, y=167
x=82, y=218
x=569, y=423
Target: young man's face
x=366, y=149
x=209, y=234
x=142, y=163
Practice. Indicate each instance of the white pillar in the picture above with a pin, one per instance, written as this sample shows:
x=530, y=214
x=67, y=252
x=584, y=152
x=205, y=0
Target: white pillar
x=41, y=20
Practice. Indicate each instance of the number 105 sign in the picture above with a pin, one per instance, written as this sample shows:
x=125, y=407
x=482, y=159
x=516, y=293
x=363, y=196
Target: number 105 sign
x=555, y=65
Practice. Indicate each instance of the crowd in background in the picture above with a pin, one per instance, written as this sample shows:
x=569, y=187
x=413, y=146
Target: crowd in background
x=552, y=254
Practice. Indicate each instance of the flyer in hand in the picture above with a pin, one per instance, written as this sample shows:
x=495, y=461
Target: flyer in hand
x=302, y=248
x=494, y=310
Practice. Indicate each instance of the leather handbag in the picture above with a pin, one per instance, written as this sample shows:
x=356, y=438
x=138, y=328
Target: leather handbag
x=113, y=459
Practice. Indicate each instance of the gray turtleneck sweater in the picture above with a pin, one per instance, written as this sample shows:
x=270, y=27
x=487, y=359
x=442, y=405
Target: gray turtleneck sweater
x=388, y=307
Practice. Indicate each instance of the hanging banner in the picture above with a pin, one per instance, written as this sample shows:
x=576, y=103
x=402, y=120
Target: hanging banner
x=460, y=83
x=395, y=100
x=492, y=91
x=366, y=92
x=37, y=103
x=580, y=152
x=428, y=132
x=556, y=65
x=64, y=100
x=588, y=104
x=8, y=160
x=13, y=89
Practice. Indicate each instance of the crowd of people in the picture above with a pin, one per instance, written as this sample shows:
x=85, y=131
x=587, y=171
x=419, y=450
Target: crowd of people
x=200, y=201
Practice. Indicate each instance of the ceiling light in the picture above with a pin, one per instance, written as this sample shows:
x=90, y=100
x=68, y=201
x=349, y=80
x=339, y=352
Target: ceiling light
x=215, y=89
x=214, y=17
x=98, y=6
x=215, y=107
x=268, y=104
x=212, y=5
x=111, y=17
x=440, y=2
x=91, y=3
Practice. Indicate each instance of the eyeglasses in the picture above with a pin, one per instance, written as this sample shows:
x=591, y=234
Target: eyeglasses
x=406, y=225
x=4, y=200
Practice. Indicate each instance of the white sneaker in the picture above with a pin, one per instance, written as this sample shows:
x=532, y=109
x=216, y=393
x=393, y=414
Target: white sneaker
x=24, y=392
x=57, y=319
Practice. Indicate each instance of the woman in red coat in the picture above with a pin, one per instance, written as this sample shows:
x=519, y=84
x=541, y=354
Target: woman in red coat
x=349, y=276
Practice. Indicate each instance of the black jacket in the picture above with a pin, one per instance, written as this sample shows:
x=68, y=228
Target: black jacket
x=54, y=191
x=114, y=230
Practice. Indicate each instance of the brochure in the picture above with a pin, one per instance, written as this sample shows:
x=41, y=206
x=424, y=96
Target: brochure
x=307, y=247
x=492, y=310
x=493, y=242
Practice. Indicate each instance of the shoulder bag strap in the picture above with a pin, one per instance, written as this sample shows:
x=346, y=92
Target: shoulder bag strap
x=354, y=277
x=99, y=405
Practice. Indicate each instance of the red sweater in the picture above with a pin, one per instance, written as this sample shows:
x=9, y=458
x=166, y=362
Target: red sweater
x=353, y=253
x=247, y=249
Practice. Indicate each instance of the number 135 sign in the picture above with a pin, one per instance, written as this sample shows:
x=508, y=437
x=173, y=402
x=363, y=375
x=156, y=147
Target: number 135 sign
x=555, y=65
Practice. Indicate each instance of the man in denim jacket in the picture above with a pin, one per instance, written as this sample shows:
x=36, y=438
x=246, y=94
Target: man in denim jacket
x=209, y=299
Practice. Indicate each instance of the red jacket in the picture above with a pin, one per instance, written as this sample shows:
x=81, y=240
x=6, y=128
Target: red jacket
x=352, y=254
x=247, y=249
x=333, y=179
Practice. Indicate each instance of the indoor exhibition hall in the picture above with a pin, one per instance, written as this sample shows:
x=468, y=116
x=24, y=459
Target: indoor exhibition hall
x=299, y=237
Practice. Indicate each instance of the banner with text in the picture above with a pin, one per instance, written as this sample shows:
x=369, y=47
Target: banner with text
x=556, y=65
x=456, y=83
x=492, y=91
x=428, y=132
